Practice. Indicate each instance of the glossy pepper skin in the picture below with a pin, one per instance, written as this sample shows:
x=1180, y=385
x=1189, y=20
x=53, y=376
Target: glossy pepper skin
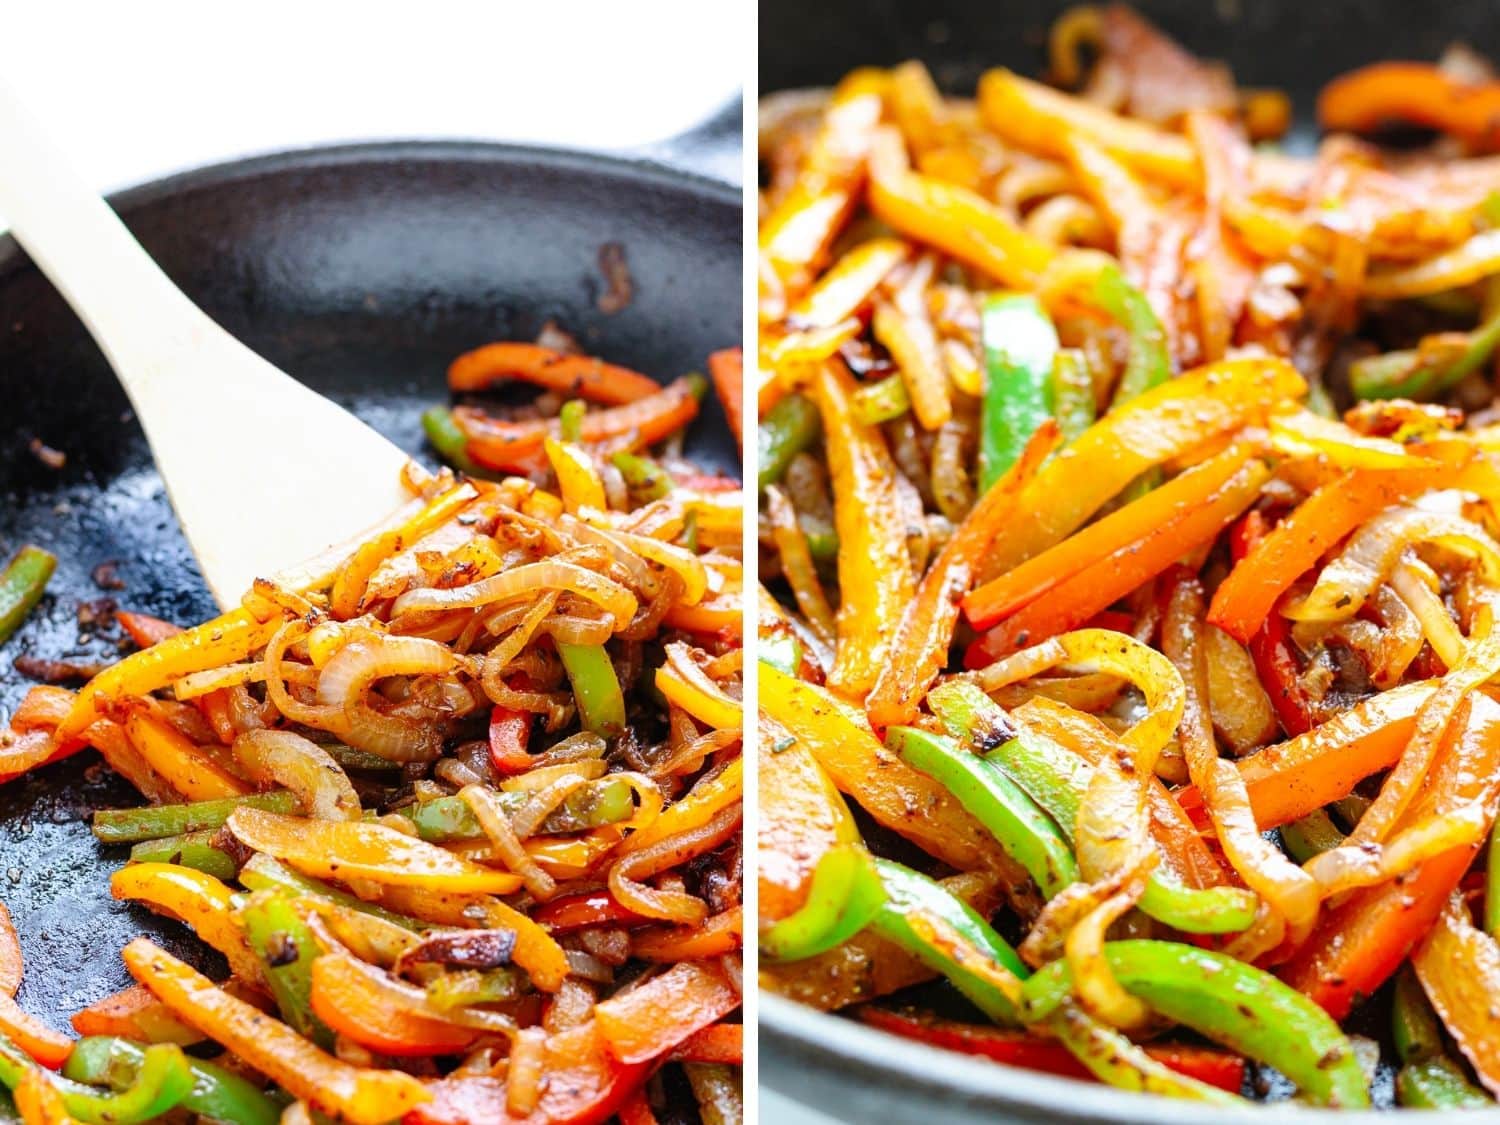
x=788, y=428
x=1428, y=1078
x=1020, y=346
x=161, y=1082
x=22, y=584
x=217, y=1093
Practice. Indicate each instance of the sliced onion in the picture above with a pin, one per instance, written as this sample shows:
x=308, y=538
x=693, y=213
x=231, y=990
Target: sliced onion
x=589, y=967
x=527, y=819
x=304, y=767
x=670, y=905
x=524, y=582
x=1349, y=866
x=1410, y=581
x=355, y=668
x=497, y=826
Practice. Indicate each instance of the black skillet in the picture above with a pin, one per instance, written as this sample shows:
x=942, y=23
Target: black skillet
x=847, y=1070
x=361, y=270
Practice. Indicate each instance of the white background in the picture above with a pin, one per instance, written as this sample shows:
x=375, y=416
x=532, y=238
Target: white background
x=135, y=90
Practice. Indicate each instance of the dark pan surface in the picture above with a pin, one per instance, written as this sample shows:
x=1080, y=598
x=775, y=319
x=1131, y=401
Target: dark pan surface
x=847, y=1070
x=361, y=271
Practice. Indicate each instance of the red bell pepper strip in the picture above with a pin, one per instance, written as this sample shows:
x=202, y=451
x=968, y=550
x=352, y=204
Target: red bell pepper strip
x=636, y=1109
x=1280, y=674
x=1245, y=598
x=648, y=1021
x=1032, y=1052
x=1201, y=509
x=721, y=1043
x=588, y=908
x=580, y=376
x=1363, y=941
x=727, y=369
x=144, y=629
x=509, y=733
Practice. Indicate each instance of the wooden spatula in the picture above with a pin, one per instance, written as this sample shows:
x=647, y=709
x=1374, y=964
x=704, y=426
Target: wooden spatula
x=263, y=473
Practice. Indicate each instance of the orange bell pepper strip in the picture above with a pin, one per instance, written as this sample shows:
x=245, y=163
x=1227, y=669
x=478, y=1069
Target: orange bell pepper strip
x=720, y=616
x=920, y=650
x=875, y=581
x=575, y=376
x=722, y=1043
x=727, y=370
x=1142, y=540
x=134, y=1013
x=646, y=1022
x=343, y=998
x=1459, y=967
x=1246, y=597
x=1416, y=93
x=43, y=707
x=146, y=630
x=636, y=1109
x=1151, y=428
x=503, y=445
x=360, y=1095
x=960, y=222
x=342, y=850
x=23, y=752
x=179, y=760
x=46, y=1046
x=585, y=1086
x=903, y=799
x=1121, y=530
x=198, y=900
x=1039, y=119
x=1031, y=1052
x=718, y=936
x=223, y=640
x=802, y=816
x=1366, y=938
x=40, y=1102
x=536, y=950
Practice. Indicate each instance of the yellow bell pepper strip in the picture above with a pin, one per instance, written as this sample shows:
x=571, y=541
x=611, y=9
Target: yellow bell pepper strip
x=1020, y=347
x=577, y=479
x=1428, y=1078
x=173, y=755
x=356, y=850
x=925, y=635
x=904, y=329
x=285, y=947
x=162, y=1081
x=1230, y=1002
x=152, y=822
x=601, y=704
x=1459, y=967
x=684, y=683
x=904, y=800
x=360, y=1095
x=1244, y=599
x=960, y=222
x=1002, y=806
x=224, y=640
x=200, y=901
x=1204, y=501
x=788, y=428
x=717, y=936
x=1463, y=265
x=846, y=286
x=216, y=1093
x=700, y=805
x=647, y=1022
x=802, y=818
x=1152, y=428
x=842, y=898
x=875, y=580
x=1039, y=119
x=1302, y=433
x=22, y=584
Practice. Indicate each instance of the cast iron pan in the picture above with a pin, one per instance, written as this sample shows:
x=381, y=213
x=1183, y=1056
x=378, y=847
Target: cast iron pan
x=850, y=1071
x=362, y=271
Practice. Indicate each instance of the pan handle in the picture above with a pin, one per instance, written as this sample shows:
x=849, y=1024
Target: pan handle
x=711, y=148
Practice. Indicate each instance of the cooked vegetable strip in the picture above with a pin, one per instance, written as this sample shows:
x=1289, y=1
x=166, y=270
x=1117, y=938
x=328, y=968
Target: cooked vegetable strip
x=216, y=1093
x=572, y=375
x=22, y=584
x=1020, y=347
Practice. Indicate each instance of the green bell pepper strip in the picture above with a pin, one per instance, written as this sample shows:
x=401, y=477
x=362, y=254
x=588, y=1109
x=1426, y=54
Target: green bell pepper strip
x=996, y=801
x=22, y=584
x=881, y=401
x=601, y=703
x=1230, y=1002
x=473, y=986
x=286, y=949
x=128, y=826
x=643, y=476
x=193, y=849
x=1492, y=885
x=1020, y=345
x=1423, y=375
x=908, y=893
x=1311, y=835
x=570, y=420
x=788, y=428
x=450, y=442
x=782, y=652
x=218, y=1094
x=160, y=1085
x=1072, y=393
x=445, y=820
x=843, y=897
x=1057, y=779
x=353, y=758
x=1429, y=1078
x=263, y=873
x=1147, y=363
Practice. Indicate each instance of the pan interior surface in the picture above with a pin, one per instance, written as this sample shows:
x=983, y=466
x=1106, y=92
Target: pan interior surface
x=361, y=271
